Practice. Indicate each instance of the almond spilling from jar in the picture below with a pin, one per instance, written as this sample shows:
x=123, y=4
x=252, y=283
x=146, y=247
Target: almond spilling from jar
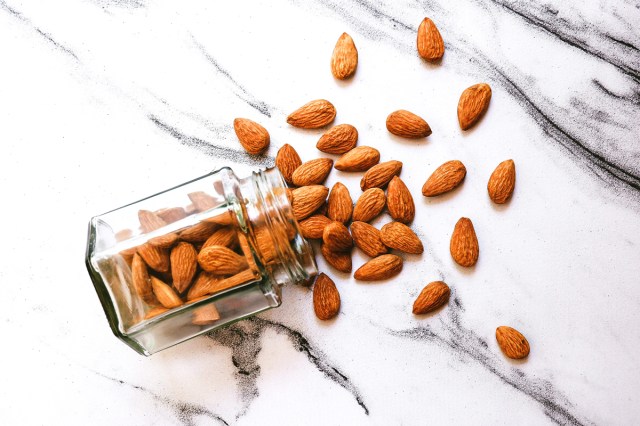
x=339, y=139
x=368, y=239
x=369, y=205
x=473, y=104
x=312, y=172
x=313, y=226
x=399, y=201
x=252, y=136
x=399, y=236
x=308, y=199
x=444, y=179
x=326, y=298
x=434, y=295
x=502, y=182
x=512, y=342
x=313, y=115
x=379, y=175
x=339, y=260
x=359, y=159
x=379, y=268
x=287, y=161
x=407, y=125
x=430, y=44
x=344, y=59
x=339, y=204
x=336, y=237
x=464, y=246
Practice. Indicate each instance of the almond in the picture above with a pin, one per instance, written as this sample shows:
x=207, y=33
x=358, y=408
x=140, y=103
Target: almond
x=407, y=125
x=400, y=202
x=399, y=236
x=205, y=315
x=313, y=226
x=359, y=159
x=472, y=105
x=172, y=214
x=339, y=139
x=430, y=44
x=156, y=258
x=512, y=342
x=223, y=219
x=502, y=182
x=184, y=262
x=340, y=204
x=312, y=172
x=203, y=201
x=434, y=295
x=153, y=312
x=225, y=236
x=339, y=260
x=464, y=243
x=344, y=60
x=207, y=283
x=287, y=161
x=444, y=178
x=313, y=115
x=369, y=205
x=368, y=239
x=140, y=279
x=252, y=136
x=336, y=237
x=149, y=221
x=164, y=241
x=379, y=175
x=221, y=260
x=199, y=232
x=326, y=298
x=380, y=268
x=307, y=199
x=165, y=294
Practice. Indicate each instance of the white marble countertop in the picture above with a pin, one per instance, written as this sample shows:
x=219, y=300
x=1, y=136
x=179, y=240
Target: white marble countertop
x=103, y=102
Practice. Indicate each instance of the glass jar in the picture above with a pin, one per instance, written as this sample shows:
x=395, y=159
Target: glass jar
x=196, y=257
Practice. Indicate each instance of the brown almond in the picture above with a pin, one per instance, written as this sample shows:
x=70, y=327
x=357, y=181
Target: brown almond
x=339, y=260
x=225, y=236
x=434, y=295
x=399, y=201
x=199, y=232
x=154, y=312
x=359, y=159
x=149, y=221
x=205, y=315
x=155, y=257
x=430, y=44
x=379, y=175
x=313, y=226
x=339, y=139
x=502, y=182
x=399, y=236
x=184, y=262
x=312, y=172
x=339, y=204
x=369, y=205
x=252, y=136
x=344, y=59
x=445, y=178
x=223, y=219
x=165, y=294
x=473, y=104
x=336, y=237
x=313, y=115
x=379, y=268
x=203, y=201
x=368, y=239
x=307, y=199
x=140, y=279
x=172, y=214
x=407, y=125
x=207, y=283
x=287, y=161
x=464, y=243
x=221, y=260
x=326, y=298
x=512, y=342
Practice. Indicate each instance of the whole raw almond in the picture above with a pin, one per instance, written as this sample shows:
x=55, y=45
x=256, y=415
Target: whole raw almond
x=149, y=221
x=313, y=115
x=464, y=243
x=339, y=260
x=203, y=284
x=359, y=159
x=287, y=161
x=307, y=199
x=164, y=241
x=172, y=214
x=221, y=260
x=399, y=201
x=165, y=294
x=399, y=236
x=184, y=262
x=225, y=236
x=252, y=136
x=444, y=178
x=199, y=232
x=434, y=295
x=407, y=125
x=502, y=182
x=339, y=139
x=344, y=60
x=430, y=44
x=368, y=239
x=336, y=237
x=339, y=204
x=312, y=172
x=369, y=205
x=205, y=315
x=326, y=298
x=379, y=268
x=472, y=105
x=203, y=201
x=156, y=258
x=313, y=226
x=140, y=279
x=379, y=175
x=512, y=342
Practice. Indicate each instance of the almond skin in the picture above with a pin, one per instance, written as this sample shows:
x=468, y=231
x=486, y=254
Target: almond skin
x=313, y=115
x=473, y=104
x=252, y=136
x=359, y=159
x=312, y=172
x=399, y=236
x=379, y=175
x=430, y=44
x=307, y=199
x=165, y=294
x=225, y=236
x=199, y=232
x=513, y=344
x=172, y=214
x=399, y=201
x=140, y=278
x=380, y=268
x=445, y=178
x=464, y=243
x=205, y=315
x=326, y=298
x=207, y=283
x=434, y=295
x=339, y=204
x=407, y=125
x=221, y=260
x=202, y=201
x=336, y=237
x=184, y=262
x=368, y=239
x=149, y=221
x=313, y=226
x=287, y=161
x=156, y=258
x=339, y=139
x=369, y=205
x=339, y=260
x=502, y=182
x=164, y=241
x=344, y=59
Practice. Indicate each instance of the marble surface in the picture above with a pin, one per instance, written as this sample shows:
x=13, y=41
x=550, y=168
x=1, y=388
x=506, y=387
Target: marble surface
x=103, y=102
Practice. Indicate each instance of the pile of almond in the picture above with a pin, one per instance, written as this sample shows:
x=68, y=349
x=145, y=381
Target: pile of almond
x=331, y=217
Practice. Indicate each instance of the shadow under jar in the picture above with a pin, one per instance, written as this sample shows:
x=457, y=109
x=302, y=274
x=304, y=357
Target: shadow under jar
x=196, y=257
